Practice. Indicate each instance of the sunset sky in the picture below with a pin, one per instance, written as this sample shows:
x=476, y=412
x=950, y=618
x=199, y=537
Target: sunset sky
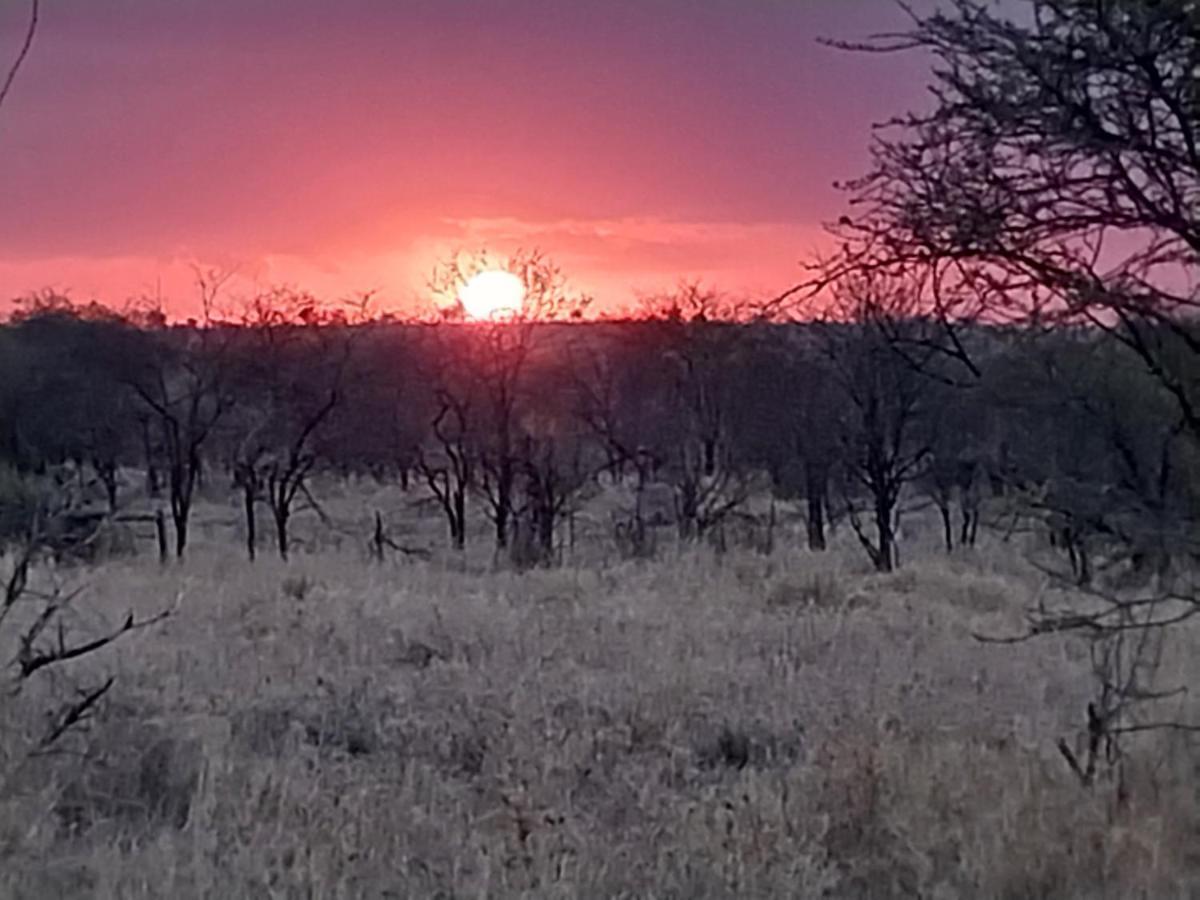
x=345, y=146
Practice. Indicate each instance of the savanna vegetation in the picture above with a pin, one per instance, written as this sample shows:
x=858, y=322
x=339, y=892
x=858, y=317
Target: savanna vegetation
x=882, y=587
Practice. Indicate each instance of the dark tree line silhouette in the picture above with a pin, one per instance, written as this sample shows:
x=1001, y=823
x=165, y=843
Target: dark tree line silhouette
x=687, y=398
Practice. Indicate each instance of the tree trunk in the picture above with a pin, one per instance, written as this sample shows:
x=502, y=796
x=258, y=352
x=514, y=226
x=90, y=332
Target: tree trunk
x=616, y=466
x=282, y=513
x=948, y=527
x=184, y=462
x=687, y=509
x=248, y=496
x=885, y=558
x=160, y=533
x=970, y=526
x=504, y=489
x=180, y=518
x=458, y=519
x=546, y=533
x=152, y=486
x=1085, y=563
x=816, y=476
x=181, y=505
x=378, y=539
x=107, y=473
x=543, y=522
x=816, y=523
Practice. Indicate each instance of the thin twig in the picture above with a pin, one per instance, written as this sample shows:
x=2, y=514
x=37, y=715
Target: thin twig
x=1155, y=726
x=12, y=72
x=73, y=714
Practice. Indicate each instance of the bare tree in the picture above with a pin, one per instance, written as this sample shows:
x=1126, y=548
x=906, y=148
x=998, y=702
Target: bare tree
x=696, y=328
x=815, y=436
x=960, y=439
x=1054, y=182
x=696, y=336
x=45, y=644
x=484, y=368
x=297, y=353
x=885, y=397
x=185, y=381
x=449, y=471
x=556, y=468
x=785, y=414
x=67, y=399
x=599, y=375
x=381, y=431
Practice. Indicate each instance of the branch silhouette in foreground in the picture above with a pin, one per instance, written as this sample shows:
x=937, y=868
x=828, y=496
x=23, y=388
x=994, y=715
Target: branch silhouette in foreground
x=22, y=53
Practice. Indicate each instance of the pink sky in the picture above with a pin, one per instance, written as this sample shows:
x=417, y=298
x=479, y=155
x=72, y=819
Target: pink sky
x=348, y=146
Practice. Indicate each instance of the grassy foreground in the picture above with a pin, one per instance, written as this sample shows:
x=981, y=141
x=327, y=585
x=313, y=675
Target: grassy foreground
x=700, y=725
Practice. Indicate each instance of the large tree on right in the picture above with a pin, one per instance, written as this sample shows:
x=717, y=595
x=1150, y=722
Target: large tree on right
x=1053, y=181
x=1055, y=177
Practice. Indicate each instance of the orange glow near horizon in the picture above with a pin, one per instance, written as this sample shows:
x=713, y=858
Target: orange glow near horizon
x=334, y=149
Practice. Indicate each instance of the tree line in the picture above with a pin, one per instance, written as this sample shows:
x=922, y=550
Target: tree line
x=850, y=413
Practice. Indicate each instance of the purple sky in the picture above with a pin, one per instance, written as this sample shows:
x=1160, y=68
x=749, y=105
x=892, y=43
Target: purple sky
x=349, y=145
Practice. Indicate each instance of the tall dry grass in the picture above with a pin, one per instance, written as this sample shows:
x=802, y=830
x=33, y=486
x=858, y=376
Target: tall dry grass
x=703, y=725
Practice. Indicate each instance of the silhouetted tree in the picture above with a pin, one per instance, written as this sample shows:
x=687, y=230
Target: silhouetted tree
x=784, y=417
x=1053, y=181
x=960, y=438
x=295, y=354
x=449, y=470
x=884, y=401
x=559, y=459
x=380, y=428
x=693, y=342
x=66, y=400
x=484, y=368
x=185, y=378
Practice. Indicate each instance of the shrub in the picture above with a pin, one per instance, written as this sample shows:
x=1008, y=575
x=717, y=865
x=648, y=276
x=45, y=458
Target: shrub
x=298, y=587
x=22, y=498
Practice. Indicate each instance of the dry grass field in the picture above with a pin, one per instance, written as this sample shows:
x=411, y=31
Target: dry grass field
x=700, y=725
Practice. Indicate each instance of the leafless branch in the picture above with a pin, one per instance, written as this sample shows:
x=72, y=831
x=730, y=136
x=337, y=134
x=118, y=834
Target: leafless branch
x=31, y=657
x=22, y=53
x=73, y=714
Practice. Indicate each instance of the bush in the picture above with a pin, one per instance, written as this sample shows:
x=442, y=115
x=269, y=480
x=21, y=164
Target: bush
x=22, y=498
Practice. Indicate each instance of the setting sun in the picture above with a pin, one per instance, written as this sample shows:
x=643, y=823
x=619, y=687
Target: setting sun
x=492, y=294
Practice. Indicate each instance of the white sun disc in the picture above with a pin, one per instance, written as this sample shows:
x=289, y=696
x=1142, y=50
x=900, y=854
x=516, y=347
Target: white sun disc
x=492, y=294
